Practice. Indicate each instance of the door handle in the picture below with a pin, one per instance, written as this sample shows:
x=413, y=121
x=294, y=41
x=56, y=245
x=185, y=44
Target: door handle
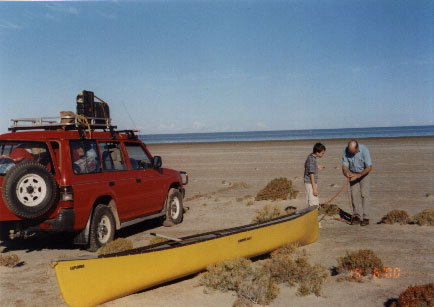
x=111, y=183
x=138, y=180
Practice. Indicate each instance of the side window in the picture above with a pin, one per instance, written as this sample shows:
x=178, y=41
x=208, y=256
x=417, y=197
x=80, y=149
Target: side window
x=111, y=156
x=85, y=159
x=138, y=156
x=15, y=152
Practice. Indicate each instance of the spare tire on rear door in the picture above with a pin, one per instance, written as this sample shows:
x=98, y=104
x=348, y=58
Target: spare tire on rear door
x=29, y=190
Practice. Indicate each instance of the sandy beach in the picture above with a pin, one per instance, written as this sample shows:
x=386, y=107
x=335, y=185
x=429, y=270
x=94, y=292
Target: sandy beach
x=223, y=178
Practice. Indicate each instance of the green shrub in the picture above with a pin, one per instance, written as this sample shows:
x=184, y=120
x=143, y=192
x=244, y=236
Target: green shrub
x=116, y=246
x=278, y=188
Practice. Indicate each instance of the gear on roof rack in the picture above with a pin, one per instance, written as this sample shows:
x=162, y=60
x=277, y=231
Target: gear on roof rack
x=91, y=115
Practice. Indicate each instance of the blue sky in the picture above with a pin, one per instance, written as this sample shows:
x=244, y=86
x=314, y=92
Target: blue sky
x=209, y=66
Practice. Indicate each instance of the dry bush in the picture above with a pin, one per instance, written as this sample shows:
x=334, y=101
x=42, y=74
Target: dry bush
x=267, y=213
x=278, y=188
x=242, y=302
x=116, y=246
x=260, y=289
x=285, y=250
x=364, y=261
x=426, y=217
x=396, y=216
x=417, y=296
x=226, y=275
x=288, y=265
x=10, y=261
x=330, y=210
x=239, y=275
x=250, y=203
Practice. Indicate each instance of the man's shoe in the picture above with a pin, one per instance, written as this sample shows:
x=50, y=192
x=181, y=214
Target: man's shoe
x=364, y=222
x=355, y=221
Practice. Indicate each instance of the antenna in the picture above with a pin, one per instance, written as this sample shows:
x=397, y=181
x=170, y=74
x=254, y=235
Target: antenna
x=129, y=115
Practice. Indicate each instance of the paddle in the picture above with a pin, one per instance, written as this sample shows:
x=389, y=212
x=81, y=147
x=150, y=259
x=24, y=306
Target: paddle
x=165, y=237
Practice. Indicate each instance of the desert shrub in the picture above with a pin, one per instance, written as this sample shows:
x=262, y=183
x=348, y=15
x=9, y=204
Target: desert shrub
x=250, y=203
x=396, y=216
x=267, y=213
x=226, y=275
x=260, y=289
x=116, y=246
x=426, y=217
x=417, y=296
x=330, y=210
x=10, y=261
x=288, y=265
x=364, y=261
x=242, y=302
x=286, y=250
x=278, y=188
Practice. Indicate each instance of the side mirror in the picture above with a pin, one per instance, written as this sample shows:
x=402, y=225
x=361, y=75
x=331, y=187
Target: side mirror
x=157, y=162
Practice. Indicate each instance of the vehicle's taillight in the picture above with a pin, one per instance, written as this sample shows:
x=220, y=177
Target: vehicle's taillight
x=66, y=193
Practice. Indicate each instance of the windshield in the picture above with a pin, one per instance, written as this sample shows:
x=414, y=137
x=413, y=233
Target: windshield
x=15, y=152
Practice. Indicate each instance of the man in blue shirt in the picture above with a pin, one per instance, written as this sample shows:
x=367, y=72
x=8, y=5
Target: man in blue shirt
x=356, y=165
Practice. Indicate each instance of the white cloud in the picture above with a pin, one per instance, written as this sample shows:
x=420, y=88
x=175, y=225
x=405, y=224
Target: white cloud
x=198, y=125
x=167, y=127
x=111, y=16
x=4, y=24
x=63, y=8
x=261, y=125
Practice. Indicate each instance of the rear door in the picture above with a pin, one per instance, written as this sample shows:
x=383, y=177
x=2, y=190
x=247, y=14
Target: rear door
x=120, y=179
x=151, y=184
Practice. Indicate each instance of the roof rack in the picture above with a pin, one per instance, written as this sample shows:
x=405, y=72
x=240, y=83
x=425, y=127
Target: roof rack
x=64, y=122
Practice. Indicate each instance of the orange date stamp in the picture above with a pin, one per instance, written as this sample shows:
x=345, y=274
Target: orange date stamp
x=386, y=272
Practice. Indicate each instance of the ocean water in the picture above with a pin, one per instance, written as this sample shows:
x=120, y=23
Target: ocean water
x=314, y=134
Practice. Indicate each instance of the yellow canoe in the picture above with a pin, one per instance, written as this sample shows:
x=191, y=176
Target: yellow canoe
x=89, y=281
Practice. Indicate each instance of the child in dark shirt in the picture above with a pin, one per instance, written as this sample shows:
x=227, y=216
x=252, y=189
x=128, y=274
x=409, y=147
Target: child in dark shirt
x=311, y=174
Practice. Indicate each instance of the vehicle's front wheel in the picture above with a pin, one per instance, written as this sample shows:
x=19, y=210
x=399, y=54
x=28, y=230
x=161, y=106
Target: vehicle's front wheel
x=102, y=228
x=174, y=209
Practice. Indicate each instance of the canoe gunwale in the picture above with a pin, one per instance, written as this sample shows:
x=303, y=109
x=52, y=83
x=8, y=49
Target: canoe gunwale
x=188, y=240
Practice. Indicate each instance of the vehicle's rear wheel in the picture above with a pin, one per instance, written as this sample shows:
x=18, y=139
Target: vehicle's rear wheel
x=29, y=190
x=174, y=210
x=102, y=228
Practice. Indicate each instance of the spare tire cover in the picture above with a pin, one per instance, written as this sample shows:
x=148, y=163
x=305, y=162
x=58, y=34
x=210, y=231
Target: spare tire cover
x=29, y=190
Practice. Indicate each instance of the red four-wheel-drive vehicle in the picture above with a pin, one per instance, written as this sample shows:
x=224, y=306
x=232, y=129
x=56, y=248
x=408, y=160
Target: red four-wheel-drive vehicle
x=91, y=180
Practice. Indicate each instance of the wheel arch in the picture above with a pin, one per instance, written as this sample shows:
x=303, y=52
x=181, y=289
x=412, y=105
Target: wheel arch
x=107, y=200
